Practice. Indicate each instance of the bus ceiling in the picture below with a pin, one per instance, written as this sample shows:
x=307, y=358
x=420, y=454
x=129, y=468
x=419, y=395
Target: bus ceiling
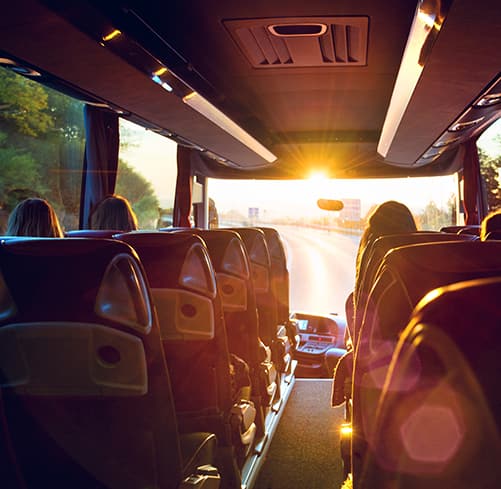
x=351, y=112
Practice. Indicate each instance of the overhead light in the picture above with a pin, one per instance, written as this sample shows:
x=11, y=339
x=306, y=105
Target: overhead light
x=425, y=26
x=434, y=152
x=162, y=83
x=204, y=107
x=446, y=140
x=489, y=100
x=112, y=35
x=161, y=71
x=17, y=68
x=461, y=126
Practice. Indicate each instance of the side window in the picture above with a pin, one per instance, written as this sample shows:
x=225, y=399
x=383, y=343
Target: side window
x=489, y=148
x=42, y=142
x=147, y=171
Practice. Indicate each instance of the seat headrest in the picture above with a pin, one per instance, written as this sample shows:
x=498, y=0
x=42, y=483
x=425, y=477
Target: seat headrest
x=174, y=260
x=255, y=244
x=80, y=279
x=92, y=233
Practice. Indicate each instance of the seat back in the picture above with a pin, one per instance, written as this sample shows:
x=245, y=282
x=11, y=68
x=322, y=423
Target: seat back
x=494, y=235
x=441, y=404
x=232, y=267
x=404, y=277
x=467, y=228
x=374, y=255
x=274, y=335
x=92, y=233
x=194, y=338
x=257, y=250
x=86, y=393
x=191, y=322
x=279, y=273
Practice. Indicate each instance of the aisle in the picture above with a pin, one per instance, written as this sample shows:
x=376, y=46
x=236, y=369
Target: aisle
x=304, y=453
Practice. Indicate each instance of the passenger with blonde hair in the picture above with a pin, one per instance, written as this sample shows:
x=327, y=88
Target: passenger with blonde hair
x=34, y=217
x=114, y=212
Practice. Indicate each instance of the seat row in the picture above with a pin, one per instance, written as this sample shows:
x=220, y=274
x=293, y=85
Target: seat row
x=124, y=360
x=398, y=271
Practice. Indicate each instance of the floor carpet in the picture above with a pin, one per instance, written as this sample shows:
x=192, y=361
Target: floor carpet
x=304, y=453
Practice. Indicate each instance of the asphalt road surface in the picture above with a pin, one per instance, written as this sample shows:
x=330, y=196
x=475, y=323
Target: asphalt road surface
x=321, y=268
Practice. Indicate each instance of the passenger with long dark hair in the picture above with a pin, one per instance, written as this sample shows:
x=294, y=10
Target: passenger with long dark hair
x=114, y=212
x=390, y=217
x=34, y=217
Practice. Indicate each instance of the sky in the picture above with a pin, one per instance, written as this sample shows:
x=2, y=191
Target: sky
x=155, y=157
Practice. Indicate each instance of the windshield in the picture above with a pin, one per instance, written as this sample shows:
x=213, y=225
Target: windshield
x=321, y=245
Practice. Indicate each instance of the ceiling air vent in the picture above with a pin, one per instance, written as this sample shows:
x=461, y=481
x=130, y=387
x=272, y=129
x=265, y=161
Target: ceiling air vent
x=300, y=42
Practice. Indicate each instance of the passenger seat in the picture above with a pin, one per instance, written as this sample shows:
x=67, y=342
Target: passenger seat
x=439, y=419
x=86, y=392
x=404, y=277
x=194, y=338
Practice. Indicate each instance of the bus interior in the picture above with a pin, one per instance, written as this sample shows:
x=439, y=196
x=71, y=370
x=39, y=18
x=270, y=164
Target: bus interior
x=252, y=139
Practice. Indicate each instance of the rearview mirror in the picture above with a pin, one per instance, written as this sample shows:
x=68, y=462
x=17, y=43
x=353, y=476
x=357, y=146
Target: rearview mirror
x=330, y=205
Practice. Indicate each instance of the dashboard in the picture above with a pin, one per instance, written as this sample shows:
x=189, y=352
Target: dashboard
x=320, y=335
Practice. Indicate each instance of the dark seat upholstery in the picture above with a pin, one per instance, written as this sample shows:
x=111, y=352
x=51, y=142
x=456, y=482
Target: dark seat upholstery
x=279, y=273
x=280, y=285
x=231, y=263
x=86, y=393
x=439, y=420
x=375, y=253
x=404, y=277
x=467, y=228
x=270, y=332
x=259, y=257
x=194, y=338
x=494, y=235
x=92, y=233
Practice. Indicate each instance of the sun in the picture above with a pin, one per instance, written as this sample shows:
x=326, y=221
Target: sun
x=317, y=176
x=318, y=185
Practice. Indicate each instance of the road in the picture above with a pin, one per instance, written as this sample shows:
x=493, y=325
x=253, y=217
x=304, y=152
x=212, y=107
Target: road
x=321, y=267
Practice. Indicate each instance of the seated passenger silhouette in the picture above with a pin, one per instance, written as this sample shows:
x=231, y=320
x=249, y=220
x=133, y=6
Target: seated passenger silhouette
x=490, y=224
x=114, y=212
x=390, y=217
x=34, y=217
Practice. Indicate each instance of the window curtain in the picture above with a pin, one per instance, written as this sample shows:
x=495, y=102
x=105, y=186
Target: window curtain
x=184, y=184
x=100, y=160
x=471, y=175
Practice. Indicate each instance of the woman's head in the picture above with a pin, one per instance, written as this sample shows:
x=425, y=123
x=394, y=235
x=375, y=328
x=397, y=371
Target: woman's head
x=114, y=212
x=390, y=218
x=34, y=217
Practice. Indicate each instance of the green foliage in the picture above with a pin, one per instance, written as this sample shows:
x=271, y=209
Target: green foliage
x=433, y=218
x=24, y=104
x=140, y=193
x=41, y=146
x=19, y=174
x=490, y=169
